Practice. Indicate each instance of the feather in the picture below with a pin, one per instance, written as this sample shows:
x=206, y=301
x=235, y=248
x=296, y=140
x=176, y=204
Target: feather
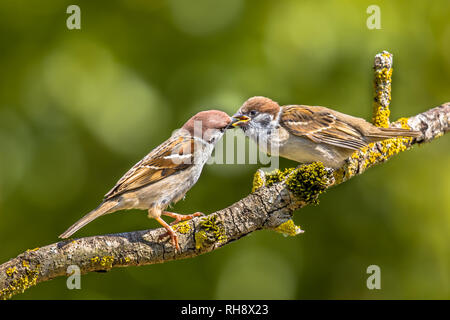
x=321, y=126
x=169, y=158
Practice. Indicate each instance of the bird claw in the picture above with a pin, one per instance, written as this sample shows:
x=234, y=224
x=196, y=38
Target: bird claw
x=178, y=218
x=173, y=239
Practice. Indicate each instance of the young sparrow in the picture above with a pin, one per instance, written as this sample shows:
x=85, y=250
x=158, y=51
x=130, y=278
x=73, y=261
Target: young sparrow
x=307, y=134
x=165, y=175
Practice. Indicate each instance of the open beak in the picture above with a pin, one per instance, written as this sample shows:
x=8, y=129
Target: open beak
x=239, y=119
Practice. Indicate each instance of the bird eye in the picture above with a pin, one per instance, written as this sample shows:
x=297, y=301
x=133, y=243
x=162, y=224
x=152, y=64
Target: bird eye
x=252, y=113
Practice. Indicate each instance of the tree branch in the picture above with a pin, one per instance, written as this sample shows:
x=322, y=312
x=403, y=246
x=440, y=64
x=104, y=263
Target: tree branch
x=274, y=198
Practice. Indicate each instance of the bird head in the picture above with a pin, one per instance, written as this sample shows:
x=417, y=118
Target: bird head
x=209, y=125
x=256, y=113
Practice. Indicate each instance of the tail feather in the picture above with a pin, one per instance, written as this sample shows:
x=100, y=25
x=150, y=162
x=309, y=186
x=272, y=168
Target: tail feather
x=395, y=132
x=102, y=209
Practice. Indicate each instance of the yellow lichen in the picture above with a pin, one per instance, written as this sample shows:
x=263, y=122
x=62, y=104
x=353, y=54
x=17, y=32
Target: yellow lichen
x=200, y=238
x=182, y=227
x=31, y=250
x=382, y=97
x=125, y=260
x=258, y=181
x=10, y=271
x=289, y=228
x=21, y=283
x=105, y=261
x=339, y=175
x=371, y=154
x=404, y=123
x=95, y=259
x=381, y=117
x=346, y=172
x=211, y=231
x=386, y=149
x=349, y=169
x=386, y=55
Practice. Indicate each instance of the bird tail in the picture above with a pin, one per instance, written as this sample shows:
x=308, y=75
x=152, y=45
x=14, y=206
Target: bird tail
x=384, y=133
x=102, y=209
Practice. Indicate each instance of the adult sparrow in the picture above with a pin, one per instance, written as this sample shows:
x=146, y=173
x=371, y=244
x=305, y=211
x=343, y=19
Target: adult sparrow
x=307, y=134
x=165, y=175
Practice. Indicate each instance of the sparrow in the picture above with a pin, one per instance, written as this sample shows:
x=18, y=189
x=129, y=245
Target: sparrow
x=165, y=175
x=308, y=134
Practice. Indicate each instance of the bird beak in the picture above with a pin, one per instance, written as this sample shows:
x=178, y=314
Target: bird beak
x=239, y=119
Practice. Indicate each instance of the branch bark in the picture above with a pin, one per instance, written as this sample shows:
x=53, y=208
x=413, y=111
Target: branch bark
x=271, y=205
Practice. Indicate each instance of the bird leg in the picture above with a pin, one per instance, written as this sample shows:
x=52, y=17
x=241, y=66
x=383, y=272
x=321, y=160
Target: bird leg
x=170, y=232
x=181, y=217
x=178, y=217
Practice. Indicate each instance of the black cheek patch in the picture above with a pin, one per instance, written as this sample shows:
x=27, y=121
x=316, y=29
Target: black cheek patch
x=264, y=122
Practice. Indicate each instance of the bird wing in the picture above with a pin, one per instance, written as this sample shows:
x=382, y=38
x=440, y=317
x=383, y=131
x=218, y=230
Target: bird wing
x=321, y=125
x=171, y=157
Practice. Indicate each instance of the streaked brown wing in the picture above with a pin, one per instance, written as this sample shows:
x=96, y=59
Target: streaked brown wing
x=172, y=156
x=321, y=126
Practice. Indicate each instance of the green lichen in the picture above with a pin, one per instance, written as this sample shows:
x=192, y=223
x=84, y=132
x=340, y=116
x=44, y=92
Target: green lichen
x=182, y=227
x=270, y=178
x=288, y=228
x=211, y=231
x=307, y=182
x=277, y=176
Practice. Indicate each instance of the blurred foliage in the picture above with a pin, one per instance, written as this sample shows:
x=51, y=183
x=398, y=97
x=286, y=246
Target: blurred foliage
x=79, y=107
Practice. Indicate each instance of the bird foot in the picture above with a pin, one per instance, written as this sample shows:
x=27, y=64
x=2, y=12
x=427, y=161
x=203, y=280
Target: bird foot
x=169, y=233
x=182, y=217
x=173, y=238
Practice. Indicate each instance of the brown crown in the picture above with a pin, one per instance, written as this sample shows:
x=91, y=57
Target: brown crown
x=210, y=119
x=260, y=104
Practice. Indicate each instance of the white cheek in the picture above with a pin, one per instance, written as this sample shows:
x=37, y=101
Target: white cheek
x=252, y=132
x=212, y=135
x=258, y=135
x=215, y=137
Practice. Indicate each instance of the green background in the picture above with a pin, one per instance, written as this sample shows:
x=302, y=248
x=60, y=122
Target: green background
x=80, y=107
